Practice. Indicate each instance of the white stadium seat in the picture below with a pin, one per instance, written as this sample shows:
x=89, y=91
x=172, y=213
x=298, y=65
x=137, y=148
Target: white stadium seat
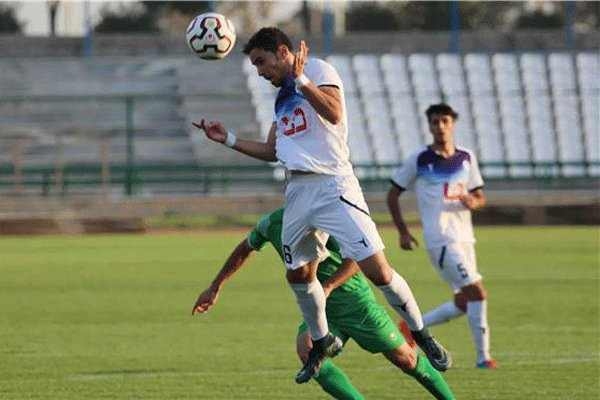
x=514, y=108
x=343, y=65
x=588, y=66
x=368, y=75
x=452, y=79
x=395, y=74
x=424, y=75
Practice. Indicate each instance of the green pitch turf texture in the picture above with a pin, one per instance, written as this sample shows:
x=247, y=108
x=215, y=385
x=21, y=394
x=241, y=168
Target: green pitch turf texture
x=108, y=317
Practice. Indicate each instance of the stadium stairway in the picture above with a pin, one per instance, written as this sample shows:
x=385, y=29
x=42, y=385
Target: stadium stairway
x=216, y=90
x=61, y=110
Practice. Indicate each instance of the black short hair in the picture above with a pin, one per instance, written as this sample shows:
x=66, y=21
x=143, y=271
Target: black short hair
x=268, y=39
x=442, y=109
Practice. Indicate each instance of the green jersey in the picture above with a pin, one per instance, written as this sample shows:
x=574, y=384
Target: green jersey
x=354, y=292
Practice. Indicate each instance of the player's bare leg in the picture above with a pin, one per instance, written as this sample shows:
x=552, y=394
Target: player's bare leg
x=331, y=378
x=419, y=367
x=311, y=300
x=400, y=297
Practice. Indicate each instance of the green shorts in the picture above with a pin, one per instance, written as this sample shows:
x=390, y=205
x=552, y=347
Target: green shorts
x=369, y=325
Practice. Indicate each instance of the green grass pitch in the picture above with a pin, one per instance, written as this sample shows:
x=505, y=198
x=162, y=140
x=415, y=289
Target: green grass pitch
x=108, y=317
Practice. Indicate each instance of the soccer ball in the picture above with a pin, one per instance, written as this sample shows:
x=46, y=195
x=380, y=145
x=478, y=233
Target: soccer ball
x=210, y=36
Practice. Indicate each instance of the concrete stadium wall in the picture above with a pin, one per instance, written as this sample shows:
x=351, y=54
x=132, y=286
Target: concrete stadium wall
x=100, y=215
x=368, y=42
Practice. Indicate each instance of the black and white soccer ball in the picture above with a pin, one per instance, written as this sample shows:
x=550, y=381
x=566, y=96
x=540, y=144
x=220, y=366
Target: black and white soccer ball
x=210, y=36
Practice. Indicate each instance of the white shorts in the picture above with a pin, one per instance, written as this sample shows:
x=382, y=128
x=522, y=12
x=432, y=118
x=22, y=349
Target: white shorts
x=317, y=206
x=456, y=264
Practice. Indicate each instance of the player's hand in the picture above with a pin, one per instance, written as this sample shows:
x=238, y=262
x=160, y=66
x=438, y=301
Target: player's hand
x=407, y=240
x=205, y=301
x=214, y=130
x=468, y=201
x=300, y=59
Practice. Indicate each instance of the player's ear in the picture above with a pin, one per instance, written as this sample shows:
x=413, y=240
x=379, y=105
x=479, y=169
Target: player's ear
x=282, y=51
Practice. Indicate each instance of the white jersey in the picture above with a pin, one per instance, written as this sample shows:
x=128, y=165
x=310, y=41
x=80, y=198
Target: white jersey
x=439, y=182
x=305, y=140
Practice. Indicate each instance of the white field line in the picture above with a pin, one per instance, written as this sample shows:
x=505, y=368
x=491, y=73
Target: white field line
x=283, y=372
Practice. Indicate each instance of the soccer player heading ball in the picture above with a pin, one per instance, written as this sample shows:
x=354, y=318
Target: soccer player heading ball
x=323, y=197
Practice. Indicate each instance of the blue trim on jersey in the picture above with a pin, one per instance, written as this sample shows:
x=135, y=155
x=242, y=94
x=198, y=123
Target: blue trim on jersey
x=436, y=168
x=441, y=259
x=288, y=98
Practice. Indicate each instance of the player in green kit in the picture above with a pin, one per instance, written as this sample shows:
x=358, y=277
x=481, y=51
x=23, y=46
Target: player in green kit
x=352, y=312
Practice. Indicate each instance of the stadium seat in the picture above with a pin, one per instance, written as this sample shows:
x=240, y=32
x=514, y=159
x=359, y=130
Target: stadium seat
x=479, y=75
x=514, y=108
x=513, y=117
x=368, y=75
x=465, y=133
x=377, y=110
x=343, y=65
x=67, y=118
x=539, y=111
x=452, y=79
x=408, y=127
x=404, y=110
x=358, y=133
x=427, y=90
x=380, y=126
x=358, y=139
x=588, y=67
x=395, y=75
x=568, y=128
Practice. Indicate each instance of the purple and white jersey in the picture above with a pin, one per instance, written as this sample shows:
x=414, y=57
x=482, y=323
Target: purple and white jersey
x=305, y=140
x=439, y=182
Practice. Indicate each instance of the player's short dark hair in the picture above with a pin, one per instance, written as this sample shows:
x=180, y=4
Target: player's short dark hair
x=268, y=39
x=442, y=109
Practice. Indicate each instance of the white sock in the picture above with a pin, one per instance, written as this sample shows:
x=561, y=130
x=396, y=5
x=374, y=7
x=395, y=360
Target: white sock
x=443, y=313
x=400, y=297
x=477, y=314
x=311, y=299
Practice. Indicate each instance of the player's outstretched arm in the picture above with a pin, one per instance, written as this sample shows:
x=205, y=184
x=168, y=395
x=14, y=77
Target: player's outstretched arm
x=406, y=239
x=236, y=260
x=216, y=132
x=339, y=277
x=326, y=100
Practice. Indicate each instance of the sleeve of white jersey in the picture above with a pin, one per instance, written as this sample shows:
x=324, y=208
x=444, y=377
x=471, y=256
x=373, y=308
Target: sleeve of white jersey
x=475, y=179
x=403, y=176
x=323, y=74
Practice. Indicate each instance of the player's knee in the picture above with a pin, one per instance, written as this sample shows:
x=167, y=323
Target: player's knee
x=403, y=357
x=408, y=362
x=299, y=275
x=482, y=293
x=380, y=278
x=475, y=292
x=460, y=301
x=377, y=269
x=479, y=292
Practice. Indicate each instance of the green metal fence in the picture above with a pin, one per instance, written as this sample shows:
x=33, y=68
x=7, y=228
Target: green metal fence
x=133, y=178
